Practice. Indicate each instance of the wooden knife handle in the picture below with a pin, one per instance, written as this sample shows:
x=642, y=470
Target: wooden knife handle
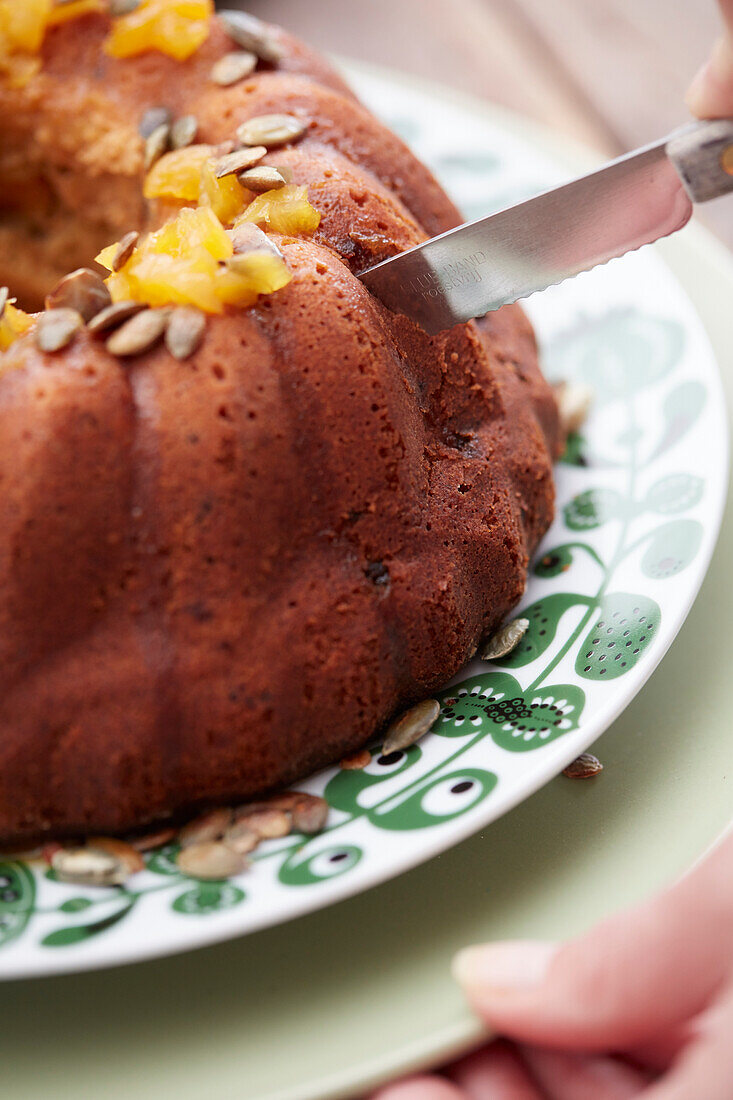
x=702, y=153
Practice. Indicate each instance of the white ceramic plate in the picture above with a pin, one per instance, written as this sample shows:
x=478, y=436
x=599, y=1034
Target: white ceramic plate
x=639, y=506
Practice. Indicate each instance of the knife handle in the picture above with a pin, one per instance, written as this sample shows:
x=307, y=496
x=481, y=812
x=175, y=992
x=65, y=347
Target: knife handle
x=702, y=153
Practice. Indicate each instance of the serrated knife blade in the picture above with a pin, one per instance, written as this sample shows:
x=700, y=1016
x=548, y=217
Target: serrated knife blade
x=630, y=202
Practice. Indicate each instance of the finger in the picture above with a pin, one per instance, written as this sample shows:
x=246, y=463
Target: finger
x=659, y=1053
x=420, y=1088
x=494, y=1073
x=710, y=94
x=704, y=1070
x=622, y=984
x=726, y=7
x=578, y=1076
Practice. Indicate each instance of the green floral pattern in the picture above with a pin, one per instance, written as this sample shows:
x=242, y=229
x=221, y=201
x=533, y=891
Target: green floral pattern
x=627, y=526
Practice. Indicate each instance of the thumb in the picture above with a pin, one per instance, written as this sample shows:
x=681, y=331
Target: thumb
x=619, y=985
x=711, y=93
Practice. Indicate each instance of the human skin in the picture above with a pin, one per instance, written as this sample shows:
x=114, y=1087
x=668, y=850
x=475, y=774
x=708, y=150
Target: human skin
x=640, y=1006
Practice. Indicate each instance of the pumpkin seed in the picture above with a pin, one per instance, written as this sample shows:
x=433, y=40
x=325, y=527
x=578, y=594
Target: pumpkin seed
x=248, y=237
x=4, y=294
x=122, y=7
x=261, y=179
x=265, y=823
x=505, y=640
x=584, y=766
x=141, y=333
x=184, y=131
x=251, y=34
x=88, y=867
x=309, y=814
x=156, y=144
x=241, y=838
x=271, y=130
x=153, y=118
x=185, y=331
x=206, y=827
x=148, y=841
x=238, y=161
x=410, y=726
x=210, y=860
x=233, y=67
x=574, y=401
x=356, y=761
x=82, y=290
x=57, y=328
x=119, y=849
x=125, y=249
x=114, y=315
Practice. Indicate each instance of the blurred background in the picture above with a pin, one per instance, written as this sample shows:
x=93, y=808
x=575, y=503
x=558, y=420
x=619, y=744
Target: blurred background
x=609, y=73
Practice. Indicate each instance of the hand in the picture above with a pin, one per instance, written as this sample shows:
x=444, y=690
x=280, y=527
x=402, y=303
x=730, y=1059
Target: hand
x=641, y=1006
x=711, y=92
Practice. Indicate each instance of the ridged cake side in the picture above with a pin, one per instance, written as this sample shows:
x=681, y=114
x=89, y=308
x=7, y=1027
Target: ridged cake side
x=218, y=575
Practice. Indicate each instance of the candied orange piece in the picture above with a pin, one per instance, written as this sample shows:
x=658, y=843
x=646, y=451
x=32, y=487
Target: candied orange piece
x=19, y=69
x=174, y=27
x=14, y=323
x=23, y=25
x=73, y=10
x=177, y=175
x=255, y=273
x=183, y=263
x=286, y=210
x=225, y=196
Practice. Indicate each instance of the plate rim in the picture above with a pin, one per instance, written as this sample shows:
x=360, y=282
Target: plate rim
x=576, y=156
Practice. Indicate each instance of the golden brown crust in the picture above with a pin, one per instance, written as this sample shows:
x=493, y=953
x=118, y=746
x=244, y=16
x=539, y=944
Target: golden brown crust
x=220, y=574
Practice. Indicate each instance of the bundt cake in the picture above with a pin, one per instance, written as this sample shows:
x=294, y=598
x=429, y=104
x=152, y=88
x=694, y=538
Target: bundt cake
x=246, y=513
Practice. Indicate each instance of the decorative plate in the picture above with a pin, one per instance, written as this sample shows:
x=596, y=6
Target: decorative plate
x=640, y=498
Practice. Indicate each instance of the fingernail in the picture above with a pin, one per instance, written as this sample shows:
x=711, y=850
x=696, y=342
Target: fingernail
x=511, y=966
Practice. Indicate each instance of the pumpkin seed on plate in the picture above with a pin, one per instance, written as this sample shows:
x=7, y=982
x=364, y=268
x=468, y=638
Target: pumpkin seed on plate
x=261, y=179
x=251, y=34
x=584, y=766
x=152, y=119
x=141, y=333
x=88, y=867
x=114, y=315
x=410, y=726
x=185, y=331
x=210, y=860
x=4, y=294
x=237, y=161
x=183, y=131
x=574, y=401
x=266, y=823
x=271, y=130
x=248, y=237
x=121, y=850
x=125, y=249
x=356, y=761
x=156, y=144
x=241, y=838
x=56, y=329
x=205, y=827
x=309, y=813
x=233, y=67
x=504, y=640
x=82, y=290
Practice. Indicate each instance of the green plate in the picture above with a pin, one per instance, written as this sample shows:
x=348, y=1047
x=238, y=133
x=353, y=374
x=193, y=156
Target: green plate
x=342, y=999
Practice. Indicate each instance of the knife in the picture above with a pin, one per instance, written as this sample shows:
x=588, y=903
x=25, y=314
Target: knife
x=630, y=202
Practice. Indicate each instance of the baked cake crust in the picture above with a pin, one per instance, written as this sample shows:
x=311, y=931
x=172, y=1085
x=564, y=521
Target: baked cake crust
x=217, y=575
